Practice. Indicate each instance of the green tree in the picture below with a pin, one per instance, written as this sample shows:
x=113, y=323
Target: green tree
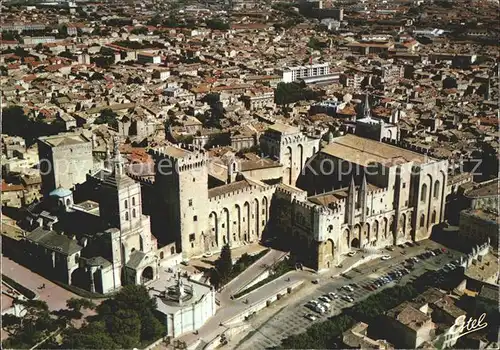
x=214, y=23
x=36, y=324
x=140, y=30
x=15, y=122
x=224, y=264
x=93, y=335
x=151, y=327
x=124, y=326
x=215, y=280
x=76, y=304
x=107, y=116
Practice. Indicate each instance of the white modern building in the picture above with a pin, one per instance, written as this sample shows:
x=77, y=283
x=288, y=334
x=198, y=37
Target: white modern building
x=291, y=74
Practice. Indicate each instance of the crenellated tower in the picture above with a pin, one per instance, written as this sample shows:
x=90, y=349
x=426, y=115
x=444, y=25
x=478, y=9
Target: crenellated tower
x=181, y=184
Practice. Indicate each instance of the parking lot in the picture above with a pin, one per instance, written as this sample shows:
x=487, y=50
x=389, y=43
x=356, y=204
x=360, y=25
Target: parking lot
x=289, y=317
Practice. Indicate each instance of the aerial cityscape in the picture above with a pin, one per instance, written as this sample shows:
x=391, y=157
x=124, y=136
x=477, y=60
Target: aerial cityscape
x=250, y=174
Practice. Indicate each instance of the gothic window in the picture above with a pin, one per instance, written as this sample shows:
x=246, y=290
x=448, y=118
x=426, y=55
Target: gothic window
x=422, y=220
x=77, y=257
x=191, y=237
x=424, y=192
x=195, y=218
x=161, y=255
x=133, y=213
x=133, y=200
x=172, y=250
x=126, y=216
x=126, y=204
x=190, y=202
x=436, y=189
x=404, y=184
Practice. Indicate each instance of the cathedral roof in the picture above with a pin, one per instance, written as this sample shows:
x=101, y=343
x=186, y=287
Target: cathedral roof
x=234, y=186
x=54, y=241
x=362, y=151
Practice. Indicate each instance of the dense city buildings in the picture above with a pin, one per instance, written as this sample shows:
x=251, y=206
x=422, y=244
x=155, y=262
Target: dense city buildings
x=235, y=157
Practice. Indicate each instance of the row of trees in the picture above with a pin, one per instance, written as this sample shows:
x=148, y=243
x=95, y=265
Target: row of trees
x=125, y=321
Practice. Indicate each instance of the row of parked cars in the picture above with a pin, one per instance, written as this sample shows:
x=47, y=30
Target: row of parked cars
x=387, y=278
x=322, y=305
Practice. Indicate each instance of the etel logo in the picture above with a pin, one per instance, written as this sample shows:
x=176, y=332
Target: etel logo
x=472, y=325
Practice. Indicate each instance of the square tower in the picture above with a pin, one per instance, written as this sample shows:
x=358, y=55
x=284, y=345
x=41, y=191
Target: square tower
x=181, y=183
x=65, y=160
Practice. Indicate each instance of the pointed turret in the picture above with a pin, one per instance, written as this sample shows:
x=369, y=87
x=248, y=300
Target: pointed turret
x=118, y=162
x=107, y=159
x=351, y=203
x=366, y=110
x=363, y=192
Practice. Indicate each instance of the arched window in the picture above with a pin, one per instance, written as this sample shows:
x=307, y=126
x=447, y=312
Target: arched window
x=436, y=189
x=133, y=213
x=126, y=216
x=172, y=250
x=133, y=200
x=424, y=192
x=77, y=258
x=422, y=220
x=433, y=217
x=161, y=255
x=126, y=204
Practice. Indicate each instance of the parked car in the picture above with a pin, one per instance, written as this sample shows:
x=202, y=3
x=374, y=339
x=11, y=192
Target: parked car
x=401, y=246
x=385, y=257
x=349, y=288
x=348, y=298
x=326, y=306
x=311, y=317
x=324, y=299
x=316, y=281
x=332, y=295
x=352, y=253
x=389, y=248
x=207, y=255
